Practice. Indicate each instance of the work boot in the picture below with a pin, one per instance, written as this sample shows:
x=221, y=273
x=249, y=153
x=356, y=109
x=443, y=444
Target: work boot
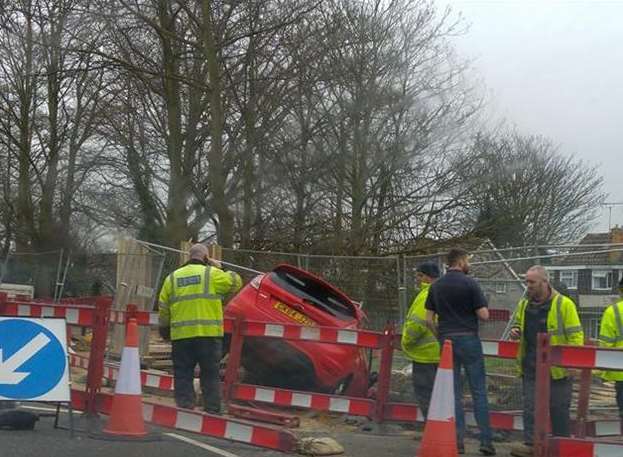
x=460, y=448
x=487, y=449
x=522, y=450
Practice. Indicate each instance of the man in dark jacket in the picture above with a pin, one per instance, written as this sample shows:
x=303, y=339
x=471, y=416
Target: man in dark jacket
x=459, y=304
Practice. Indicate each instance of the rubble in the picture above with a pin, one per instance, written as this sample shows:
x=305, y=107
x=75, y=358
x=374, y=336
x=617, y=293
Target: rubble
x=319, y=446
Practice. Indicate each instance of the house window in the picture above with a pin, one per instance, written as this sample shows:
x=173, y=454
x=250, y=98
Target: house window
x=500, y=287
x=569, y=278
x=602, y=280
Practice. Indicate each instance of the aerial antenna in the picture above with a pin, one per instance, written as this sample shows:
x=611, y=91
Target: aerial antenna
x=611, y=205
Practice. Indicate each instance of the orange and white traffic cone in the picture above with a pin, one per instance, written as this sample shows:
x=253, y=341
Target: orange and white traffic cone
x=439, y=438
x=126, y=416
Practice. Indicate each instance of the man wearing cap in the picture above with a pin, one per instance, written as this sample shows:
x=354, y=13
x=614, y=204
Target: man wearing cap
x=611, y=336
x=419, y=343
x=191, y=316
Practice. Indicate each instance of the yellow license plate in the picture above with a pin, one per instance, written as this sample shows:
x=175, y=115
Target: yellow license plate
x=294, y=315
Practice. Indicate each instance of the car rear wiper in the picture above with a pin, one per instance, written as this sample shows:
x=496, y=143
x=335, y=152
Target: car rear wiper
x=338, y=304
x=320, y=305
x=296, y=280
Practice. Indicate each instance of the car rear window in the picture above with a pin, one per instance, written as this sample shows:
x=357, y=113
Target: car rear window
x=314, y=293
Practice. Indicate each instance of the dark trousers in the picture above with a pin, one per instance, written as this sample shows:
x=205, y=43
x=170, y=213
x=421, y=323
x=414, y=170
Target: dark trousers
x=559, y=405
x=186, y=354
x=467, y=353
x=423, y=381
x=619, y=389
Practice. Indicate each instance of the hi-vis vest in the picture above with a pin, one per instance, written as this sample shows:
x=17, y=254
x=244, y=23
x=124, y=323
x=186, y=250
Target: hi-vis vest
x=611, y=335
x=191, y=300
x=563, y=326
x=418, y=342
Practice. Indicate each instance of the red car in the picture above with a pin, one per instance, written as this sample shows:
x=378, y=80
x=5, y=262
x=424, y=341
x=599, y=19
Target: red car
x=291, y=295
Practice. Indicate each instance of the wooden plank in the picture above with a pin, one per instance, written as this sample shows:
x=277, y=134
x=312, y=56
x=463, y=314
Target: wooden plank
x=135, y=265
x=184, y=247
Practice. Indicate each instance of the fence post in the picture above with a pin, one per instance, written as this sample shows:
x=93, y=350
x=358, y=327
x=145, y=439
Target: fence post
x=385, y=373
x=101, y=316
x=234, y=359
x=3, y=299
x=402, y=287
x=542, y=396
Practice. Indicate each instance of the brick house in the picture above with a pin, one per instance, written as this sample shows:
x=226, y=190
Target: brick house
x=592, y=278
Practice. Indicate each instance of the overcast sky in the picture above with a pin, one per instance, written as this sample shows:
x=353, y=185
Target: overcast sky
x=554, y=68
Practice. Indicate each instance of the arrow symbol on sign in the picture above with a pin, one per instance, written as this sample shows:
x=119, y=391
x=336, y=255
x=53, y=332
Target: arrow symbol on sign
x=8, y=375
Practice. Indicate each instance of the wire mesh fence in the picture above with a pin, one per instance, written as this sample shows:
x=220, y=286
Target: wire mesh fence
x=374, y=282
x=41, y=271
x=385, y=286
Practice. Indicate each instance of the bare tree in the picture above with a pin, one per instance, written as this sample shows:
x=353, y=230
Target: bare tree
x=523, y=191
x=49, y=106
x=369, y=141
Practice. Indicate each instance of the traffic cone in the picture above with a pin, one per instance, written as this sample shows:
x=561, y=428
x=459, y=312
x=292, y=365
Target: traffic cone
x=126, y=417
x=439, y=438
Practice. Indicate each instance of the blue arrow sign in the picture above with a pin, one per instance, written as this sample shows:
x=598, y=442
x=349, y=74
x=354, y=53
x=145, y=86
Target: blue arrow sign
x=32, y=359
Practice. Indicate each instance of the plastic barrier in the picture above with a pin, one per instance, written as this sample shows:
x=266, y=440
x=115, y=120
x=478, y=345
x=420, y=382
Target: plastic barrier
x=584, y=357
x=98, y=316
x=380, y=409
x=201, y=423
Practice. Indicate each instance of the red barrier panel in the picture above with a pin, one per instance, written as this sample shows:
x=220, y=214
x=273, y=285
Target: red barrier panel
x=586, y=357
x=566, y=447
x=201, y=423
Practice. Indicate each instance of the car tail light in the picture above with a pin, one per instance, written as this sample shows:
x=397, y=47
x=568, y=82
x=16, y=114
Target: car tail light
x=256, y=282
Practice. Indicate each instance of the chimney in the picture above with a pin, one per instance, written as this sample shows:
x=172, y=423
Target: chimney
x=616, y=237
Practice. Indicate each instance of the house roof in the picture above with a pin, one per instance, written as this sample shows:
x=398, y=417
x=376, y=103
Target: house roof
x=601, y=255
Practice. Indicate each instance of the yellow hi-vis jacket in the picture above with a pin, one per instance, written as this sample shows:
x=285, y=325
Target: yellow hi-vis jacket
x=611, y=335
x=563, y=326
x=418, y=342
x=191, y=300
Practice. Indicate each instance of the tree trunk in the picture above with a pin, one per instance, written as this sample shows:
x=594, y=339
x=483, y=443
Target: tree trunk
x=216, y=171
x=176, y=229
x=25, y=231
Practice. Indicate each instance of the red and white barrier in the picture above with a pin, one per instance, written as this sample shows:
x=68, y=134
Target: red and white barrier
x=202, y=423
x=564, y=447
x=361, y=338
x=144, y=318
x=308, y=400
x=111, y=372
x=600, y=428
x=587, y=357
x=74, y=315
x=404, y=412
x=501, y=349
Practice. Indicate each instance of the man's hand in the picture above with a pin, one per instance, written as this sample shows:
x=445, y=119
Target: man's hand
x=431, y=321
x=215, y=263
x=165, y=333
x=483, y=313
x=515, y=333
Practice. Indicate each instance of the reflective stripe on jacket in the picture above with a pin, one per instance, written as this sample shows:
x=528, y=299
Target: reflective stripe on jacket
x=418, y=342
x=563, y=326
x=191, y=300
x=611, y=335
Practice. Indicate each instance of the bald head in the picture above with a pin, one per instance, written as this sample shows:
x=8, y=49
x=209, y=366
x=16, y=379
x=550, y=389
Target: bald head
x=540, y=271
x=198, y=252
x=537, y=283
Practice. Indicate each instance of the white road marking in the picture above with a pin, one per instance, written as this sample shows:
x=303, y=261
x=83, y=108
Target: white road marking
x=37, y=408
x=205, y=446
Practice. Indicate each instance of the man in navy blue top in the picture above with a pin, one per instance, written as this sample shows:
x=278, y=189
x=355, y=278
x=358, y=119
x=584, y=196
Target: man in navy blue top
x=458, y=304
